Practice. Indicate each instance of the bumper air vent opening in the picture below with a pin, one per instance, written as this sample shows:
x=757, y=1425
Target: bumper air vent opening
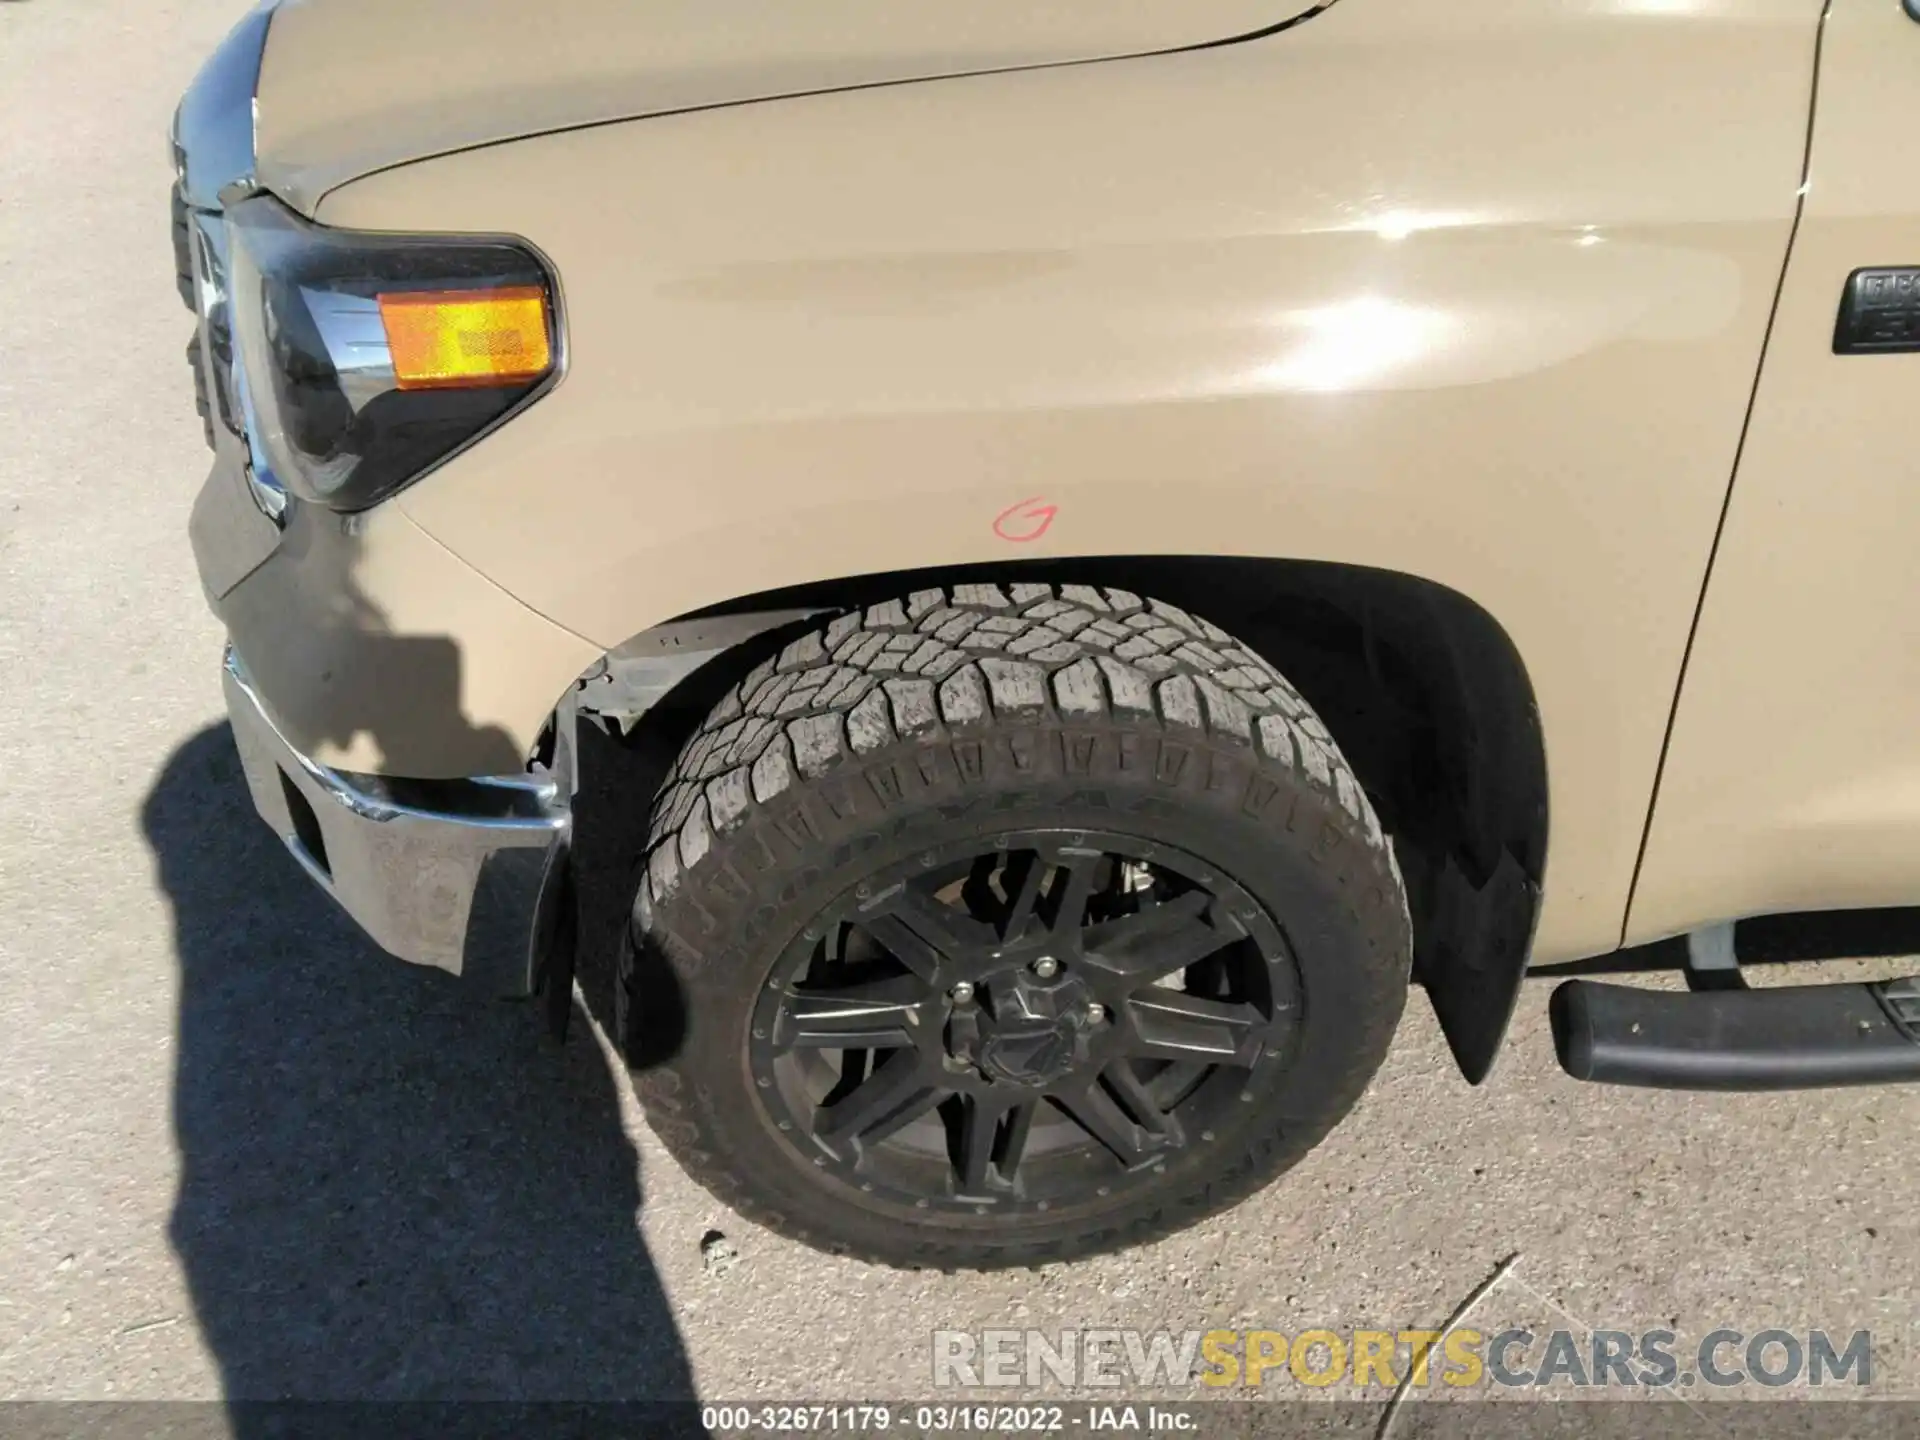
x=306, y=825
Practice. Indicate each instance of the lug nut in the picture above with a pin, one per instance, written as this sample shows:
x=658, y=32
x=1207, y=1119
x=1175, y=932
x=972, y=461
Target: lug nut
x=1046, y=967
x=1096, y=1013
x=962, y=993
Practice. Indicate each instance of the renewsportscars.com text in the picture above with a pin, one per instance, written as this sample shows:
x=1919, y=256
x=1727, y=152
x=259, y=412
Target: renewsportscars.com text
x=1459, y=1359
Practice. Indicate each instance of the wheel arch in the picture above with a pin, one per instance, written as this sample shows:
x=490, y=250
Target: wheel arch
x=1423, y=689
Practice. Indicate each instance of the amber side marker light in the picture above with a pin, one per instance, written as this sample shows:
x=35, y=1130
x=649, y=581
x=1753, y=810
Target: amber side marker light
x=460, y=339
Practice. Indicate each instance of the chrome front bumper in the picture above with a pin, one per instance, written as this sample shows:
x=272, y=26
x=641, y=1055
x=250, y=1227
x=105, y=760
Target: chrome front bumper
x=457, y=874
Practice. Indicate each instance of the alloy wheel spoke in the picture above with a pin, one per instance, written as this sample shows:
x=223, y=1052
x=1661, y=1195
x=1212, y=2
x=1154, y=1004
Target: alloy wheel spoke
x=1159, y=940
x=1026, y=875
x=899, y=1091
x=1138, y=1100
x=979, y=1128
x=882, y=1015
x=1074, y=872
x=1172, y=1025
x=1013, y=1143
x=922, y=934
x=1172, y=1084
x=985, y=1156
x=978, y=893
x=1090, y=1107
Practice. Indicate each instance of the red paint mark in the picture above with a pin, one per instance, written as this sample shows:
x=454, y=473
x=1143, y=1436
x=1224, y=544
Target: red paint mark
x=1025, y=521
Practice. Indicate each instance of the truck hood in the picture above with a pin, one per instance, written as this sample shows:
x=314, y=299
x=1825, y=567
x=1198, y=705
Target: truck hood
x=347, y=87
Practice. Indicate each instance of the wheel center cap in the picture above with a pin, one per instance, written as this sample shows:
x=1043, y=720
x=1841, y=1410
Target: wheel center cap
x=1036, y=1058
x=1031, y=1032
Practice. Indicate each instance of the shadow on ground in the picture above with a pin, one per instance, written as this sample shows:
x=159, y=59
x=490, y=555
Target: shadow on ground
x=391, y=1189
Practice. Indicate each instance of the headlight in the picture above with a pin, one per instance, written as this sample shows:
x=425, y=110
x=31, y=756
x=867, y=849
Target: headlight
x=366, y=359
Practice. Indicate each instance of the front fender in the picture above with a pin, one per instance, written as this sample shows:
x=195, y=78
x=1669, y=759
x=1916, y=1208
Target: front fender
x=1431, y=289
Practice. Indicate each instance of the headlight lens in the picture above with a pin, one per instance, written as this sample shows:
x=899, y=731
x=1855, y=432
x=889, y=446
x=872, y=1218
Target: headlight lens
x=366, y=359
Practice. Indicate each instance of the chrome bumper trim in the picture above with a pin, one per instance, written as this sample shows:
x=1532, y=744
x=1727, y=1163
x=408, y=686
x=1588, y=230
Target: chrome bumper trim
x=447, y=873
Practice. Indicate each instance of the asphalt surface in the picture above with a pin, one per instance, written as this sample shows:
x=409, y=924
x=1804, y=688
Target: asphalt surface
x=244, y=1155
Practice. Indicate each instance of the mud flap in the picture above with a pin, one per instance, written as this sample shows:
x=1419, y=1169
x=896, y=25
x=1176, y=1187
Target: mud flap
x=1473, y=956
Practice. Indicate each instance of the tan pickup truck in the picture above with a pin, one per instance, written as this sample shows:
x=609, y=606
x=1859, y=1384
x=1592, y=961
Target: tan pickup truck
x=1151, y=527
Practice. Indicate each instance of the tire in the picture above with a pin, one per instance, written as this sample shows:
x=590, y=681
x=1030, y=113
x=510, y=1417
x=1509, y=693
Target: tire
x=1003, y=736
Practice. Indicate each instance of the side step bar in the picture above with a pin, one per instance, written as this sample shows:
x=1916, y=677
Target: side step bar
x=1788, y=1038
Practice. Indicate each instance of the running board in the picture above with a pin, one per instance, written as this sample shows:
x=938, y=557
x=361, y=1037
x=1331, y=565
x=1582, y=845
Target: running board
x=1787, y=1038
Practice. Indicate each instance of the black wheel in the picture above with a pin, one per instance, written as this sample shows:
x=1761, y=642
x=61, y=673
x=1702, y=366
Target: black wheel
x=1010, y=926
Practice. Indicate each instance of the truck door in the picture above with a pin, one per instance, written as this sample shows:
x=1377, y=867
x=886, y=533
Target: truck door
x=1792, y=774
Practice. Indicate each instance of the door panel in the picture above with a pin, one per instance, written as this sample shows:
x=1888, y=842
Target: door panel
x=1792, y=779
